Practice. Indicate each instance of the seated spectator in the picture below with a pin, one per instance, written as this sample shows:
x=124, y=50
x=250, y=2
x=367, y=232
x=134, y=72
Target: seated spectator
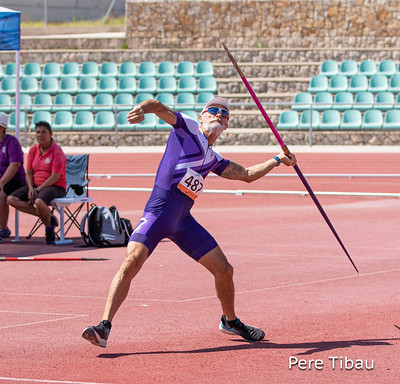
x=12, y=173
x=45, y=180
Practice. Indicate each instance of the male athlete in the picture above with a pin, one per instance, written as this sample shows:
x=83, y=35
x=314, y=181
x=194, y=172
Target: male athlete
x=188, y=158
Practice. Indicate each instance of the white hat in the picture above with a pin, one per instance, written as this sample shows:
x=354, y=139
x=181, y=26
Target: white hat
x=3, y=120
x=218, y=100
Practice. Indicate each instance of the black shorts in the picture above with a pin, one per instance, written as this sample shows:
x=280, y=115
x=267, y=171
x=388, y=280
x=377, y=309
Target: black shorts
x=12, y=186
x=47, y=194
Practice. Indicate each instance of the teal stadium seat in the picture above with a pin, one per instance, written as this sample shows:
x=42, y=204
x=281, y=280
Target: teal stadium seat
x=184, y=68
x=302, y=101
x=5, y=103
x=288, y=120
x=83, y=102
x=62, y=102
x=63, y=121
x=323, y=101
x=1, y=71
x=41, y=116
x=146, y=68
x=318, y=83
x=351, y=120
x=42, y=102
x=49, y=85
x=88, y=85
x=184, y=101
x=10, y=70
x=330, y=120
x=387, y=68
x=397, y=105
x=29, y=85
x=392, y=119
x=104, y=120
x=25, y=102
x=107, y=84
x=207, y=84
x=32, y=70
x=127, y=69
x=358, y=83
x=70, y=69
x=348, y=68
x=149, y=122
x=166, y=84
x=108, y=69
x=142, y=97
x=8, y=85
x=126, y=85
x=167, y=99
x=52, y=69
x=338, y=83
x=204, y=68
x=103, y=102
x=384, y=101
x=89, y=69
x=83, y=121
x=69, y=85
x=394, y=84
x=23, y=121
x=378, y=83
x=364, y=101
x=193, y=114
x=372, y=119
x=187, y=84
x=202, y=99
x=165, y=68
x=162, y=125
x=307, y=119
x=329, y=68
x=124, y=101
x=122, y=123
x=147, y=84
x=367, y=68
x=343, y=101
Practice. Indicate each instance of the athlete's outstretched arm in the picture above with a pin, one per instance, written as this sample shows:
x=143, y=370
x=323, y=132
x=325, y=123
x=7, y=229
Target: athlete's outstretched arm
x=236, y=171
x=136, y=115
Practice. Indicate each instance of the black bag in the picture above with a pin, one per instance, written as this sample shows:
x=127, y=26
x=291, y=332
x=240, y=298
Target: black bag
x=102, y=227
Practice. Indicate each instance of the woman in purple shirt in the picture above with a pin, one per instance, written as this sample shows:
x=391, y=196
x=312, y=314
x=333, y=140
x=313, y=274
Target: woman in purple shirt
x=12, y=173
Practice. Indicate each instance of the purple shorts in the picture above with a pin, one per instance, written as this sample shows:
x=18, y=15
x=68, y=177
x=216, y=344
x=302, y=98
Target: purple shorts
x=167, y=215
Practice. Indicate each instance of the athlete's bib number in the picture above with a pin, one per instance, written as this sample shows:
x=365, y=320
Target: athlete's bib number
x=191, y=184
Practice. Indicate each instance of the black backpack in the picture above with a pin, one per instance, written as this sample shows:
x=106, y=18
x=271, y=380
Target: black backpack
x=102, y=227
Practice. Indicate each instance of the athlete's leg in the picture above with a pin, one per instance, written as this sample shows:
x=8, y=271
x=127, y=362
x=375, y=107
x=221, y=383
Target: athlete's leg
x=216, y=262
x=136, y=255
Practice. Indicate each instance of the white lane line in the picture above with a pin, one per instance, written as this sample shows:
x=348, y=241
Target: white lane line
x=41, y=322
x=213, y=296
x=46, y=381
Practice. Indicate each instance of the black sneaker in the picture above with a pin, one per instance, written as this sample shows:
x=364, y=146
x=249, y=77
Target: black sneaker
x=54, y=221
x=50, y=236
x=248, y=332
x=97, y=335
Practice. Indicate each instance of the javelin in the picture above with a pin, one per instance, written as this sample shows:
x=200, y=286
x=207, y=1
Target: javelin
x=52, y=259
x=287, y=152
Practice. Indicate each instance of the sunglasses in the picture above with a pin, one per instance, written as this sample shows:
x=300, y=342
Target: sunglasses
x=216, y=110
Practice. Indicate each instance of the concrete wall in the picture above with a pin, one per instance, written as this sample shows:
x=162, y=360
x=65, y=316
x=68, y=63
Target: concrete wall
x=262, y=23
x=62, y=10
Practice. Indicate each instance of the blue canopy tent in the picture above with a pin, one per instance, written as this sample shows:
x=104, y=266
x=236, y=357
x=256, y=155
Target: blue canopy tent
x=10, y=40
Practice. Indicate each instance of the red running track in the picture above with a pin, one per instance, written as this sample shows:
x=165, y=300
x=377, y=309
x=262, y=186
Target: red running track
x=291, y=276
